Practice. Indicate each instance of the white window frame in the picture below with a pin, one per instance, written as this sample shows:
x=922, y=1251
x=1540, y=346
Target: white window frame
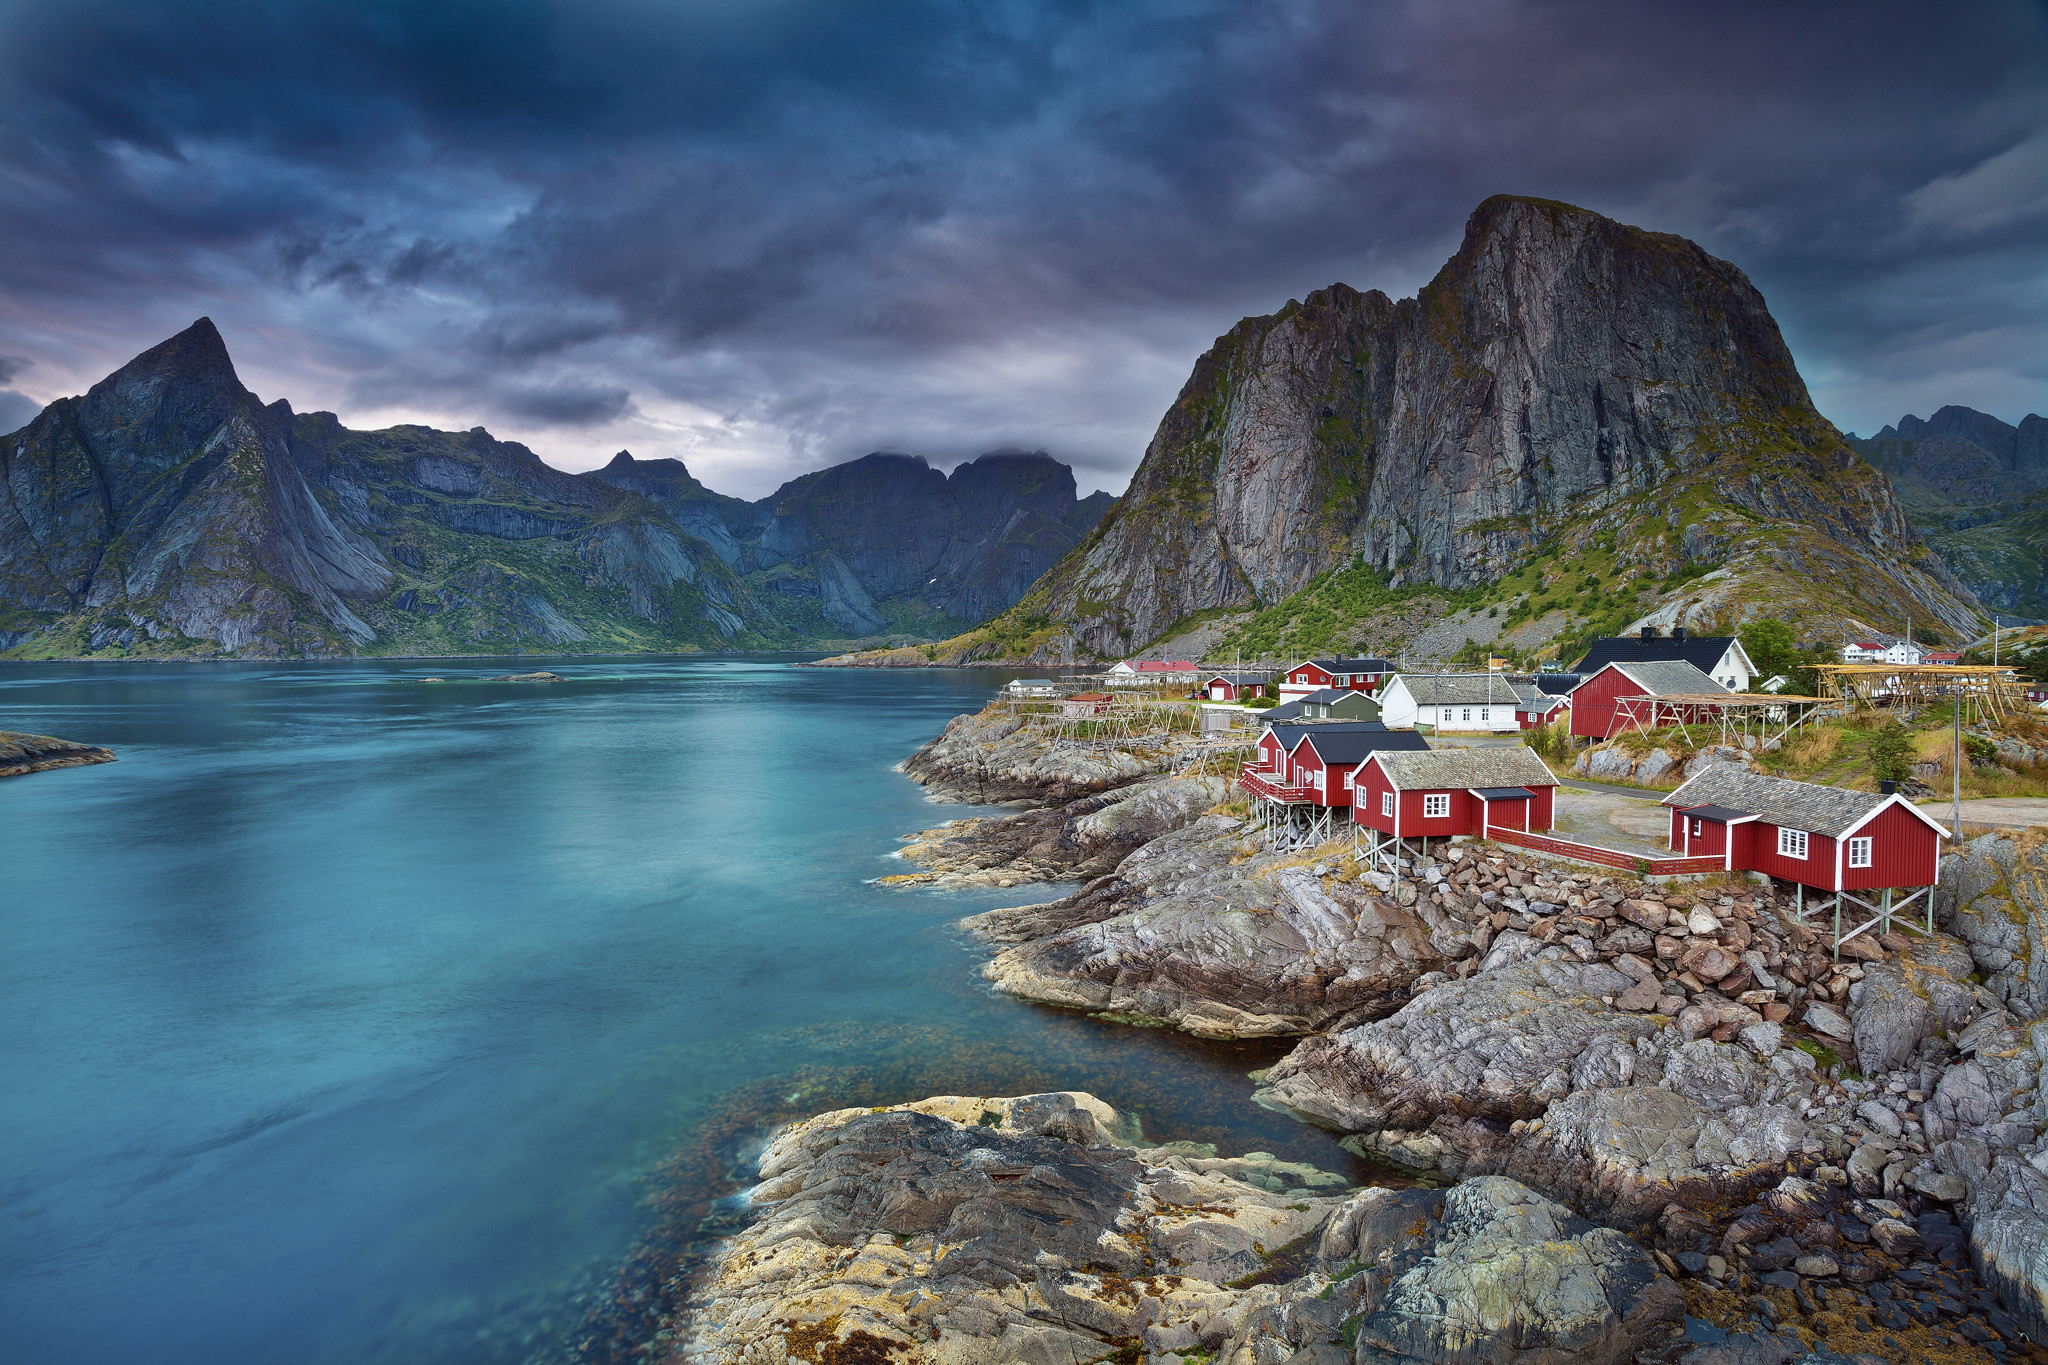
x=1482, y=714
x=1386, y=803
x=1792, y=843
x=1861, y=853
x=1436, y=806
x=1467, y=714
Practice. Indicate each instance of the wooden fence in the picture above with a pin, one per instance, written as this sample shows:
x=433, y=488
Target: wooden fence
x=1603, y=857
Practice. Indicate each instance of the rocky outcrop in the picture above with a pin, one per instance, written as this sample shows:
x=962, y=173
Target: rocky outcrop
x=20, y=753
x=1994, y=897
x=1560, y=366
x=998, y=755
x=1081, y=840
x=1019, y=1230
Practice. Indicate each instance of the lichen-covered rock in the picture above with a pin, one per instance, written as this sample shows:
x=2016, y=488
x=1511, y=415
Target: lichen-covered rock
x=995, y=755
x=1195, y=933
x=977, y=1231
x=1994, y=897
x=21, y=753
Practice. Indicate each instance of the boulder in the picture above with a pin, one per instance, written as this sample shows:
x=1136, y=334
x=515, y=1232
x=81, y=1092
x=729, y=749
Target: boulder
x=1994, y=897
x=1712, y=754
x=1656, y=766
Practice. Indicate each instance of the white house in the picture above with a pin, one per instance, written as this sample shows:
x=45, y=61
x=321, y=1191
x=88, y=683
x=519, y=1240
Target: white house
x=1451, y=701
x=1904, y=652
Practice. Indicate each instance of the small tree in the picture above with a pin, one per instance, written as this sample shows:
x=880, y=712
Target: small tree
x=1890, y=751
x=1770, y=646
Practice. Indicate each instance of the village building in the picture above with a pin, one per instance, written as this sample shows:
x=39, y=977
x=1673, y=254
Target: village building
x=1941, y=658
x=1828, y=839
x=1233, y=686
x=1083, y=705
x=1353, y=675
x=1032, y=687
x=1301, y=780
x=1444, y=792
x=1338, y=703
x=1484, y=702
x=1536, y=709
x=1153, y=672
x=1720, y=657
x=1602, y=705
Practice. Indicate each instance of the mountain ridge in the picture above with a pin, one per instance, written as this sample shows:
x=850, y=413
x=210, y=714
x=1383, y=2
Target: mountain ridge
x=170, y=512
x=1565, y=382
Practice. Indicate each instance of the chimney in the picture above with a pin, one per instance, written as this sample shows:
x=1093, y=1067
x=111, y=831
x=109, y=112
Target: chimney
x=1888, y=787
x=1678, y=632
x=1649, y=632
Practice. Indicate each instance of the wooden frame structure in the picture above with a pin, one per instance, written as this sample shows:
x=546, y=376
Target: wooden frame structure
x=1988, y=692
x=1881, y=914
x=1736, y=714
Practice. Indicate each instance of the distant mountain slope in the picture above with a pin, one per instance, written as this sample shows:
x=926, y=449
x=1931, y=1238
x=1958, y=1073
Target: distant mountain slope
x=1565, y=384
x=1977, y=488
x=170, y=512
x=885, y=541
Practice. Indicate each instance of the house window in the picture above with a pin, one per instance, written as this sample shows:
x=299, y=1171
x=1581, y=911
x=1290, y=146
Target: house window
x=1386, y=803
x=1792, y=843
x=1859, y=853
x=1436, y=807
x=1697, y=829
x=1468, y=713
x=1447, y=715
x=1482, y=713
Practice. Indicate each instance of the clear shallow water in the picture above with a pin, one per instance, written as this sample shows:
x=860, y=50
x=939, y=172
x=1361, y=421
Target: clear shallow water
x=351, y=1019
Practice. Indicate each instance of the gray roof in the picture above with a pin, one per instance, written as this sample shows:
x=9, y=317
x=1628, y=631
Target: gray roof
x=1348, y=665
x=1503, y=766
x=1236, y=679
x=1670, y=678
x=1832, y=811
x=1352, y=743
x=1286, y=710
x=1461, y=689
x=1701, y=651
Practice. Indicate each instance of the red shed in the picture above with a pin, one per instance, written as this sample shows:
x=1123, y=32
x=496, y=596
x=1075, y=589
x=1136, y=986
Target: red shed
x=1593, y=701
x=1314, y=764
x=1453, y=791
x=1234, y=686
x=1828, y=838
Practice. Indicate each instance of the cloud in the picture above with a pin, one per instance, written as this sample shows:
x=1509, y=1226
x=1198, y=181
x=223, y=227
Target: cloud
x=17, y=410
x=765, y=236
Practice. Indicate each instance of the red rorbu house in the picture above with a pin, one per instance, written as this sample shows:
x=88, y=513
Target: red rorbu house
x=1828, y=838
x=1624, y=694
x=1234, y=686
x=1304, y=773
x=1350, y=675
x=1444, y=792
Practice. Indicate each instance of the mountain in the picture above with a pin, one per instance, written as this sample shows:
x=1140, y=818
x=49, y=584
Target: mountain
x=885, y=541
x=1575, y=421
x=170, y=512
x=1977, y=488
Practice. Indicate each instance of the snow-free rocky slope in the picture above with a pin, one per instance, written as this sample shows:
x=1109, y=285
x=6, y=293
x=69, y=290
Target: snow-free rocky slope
x=170, y=512
x=1565, y=382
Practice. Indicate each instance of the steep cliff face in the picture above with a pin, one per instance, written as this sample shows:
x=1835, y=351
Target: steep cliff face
x=1561, y=367
x=1977, y=488
x=885, y=541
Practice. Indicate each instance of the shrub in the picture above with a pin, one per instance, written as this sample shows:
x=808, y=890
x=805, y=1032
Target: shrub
x=1890, y=752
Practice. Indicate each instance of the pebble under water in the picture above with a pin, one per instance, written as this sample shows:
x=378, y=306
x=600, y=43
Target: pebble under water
x=350, y=1018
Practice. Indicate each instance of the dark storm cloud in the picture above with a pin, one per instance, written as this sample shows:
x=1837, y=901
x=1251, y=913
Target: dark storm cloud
x=777, y=233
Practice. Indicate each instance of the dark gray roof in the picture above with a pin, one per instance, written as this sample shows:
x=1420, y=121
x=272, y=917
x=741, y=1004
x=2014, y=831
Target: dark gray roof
x=1504, y=793
x=1461, y=689
x=1701, y=651
x=1237, y=679
x=1352, y=743
x=1285, y=711
x=1348, y=665
x=1832, y=811
x=1557, y=684
x=1720, y=815
x=1502, y=766
x=1292, y=732
x=1323, y=696
x=1670, y=678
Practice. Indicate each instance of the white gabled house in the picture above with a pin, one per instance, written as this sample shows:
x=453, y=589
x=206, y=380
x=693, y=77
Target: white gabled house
x=1485, y=702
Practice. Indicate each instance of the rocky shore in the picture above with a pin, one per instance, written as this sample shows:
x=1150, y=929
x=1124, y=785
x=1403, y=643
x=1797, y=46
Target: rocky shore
x=996, y=757
x=21, y=753
x=1795, y=1156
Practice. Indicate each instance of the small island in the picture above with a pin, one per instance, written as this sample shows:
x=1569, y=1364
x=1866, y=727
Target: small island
x=20, y=753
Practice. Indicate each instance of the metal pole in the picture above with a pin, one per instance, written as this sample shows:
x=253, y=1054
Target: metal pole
x=1956, y=773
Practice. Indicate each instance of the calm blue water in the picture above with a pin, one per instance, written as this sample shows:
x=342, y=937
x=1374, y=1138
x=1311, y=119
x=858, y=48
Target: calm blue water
x=351, y=1019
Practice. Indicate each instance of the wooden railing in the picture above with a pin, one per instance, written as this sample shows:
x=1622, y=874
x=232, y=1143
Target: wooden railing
x=1268, y=784
x=1603, y=857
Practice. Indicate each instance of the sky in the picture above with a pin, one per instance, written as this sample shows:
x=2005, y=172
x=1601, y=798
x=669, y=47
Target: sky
x=764, y=236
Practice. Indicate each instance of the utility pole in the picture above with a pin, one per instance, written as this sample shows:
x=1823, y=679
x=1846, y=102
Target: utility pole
x=1956, y=772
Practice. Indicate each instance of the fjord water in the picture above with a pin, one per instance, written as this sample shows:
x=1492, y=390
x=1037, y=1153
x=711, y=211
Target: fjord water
x=353, y=1018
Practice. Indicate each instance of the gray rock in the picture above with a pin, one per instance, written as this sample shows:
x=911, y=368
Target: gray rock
x=1655, y=767
x=1503, y=1274
x=1763, y=1039
x=1866, y=1169
x=1880, y=1118
x=1826, y=1019
x=1994, y=897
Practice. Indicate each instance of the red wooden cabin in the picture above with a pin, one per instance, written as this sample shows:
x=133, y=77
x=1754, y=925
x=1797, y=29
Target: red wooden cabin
x=1453, y=791
x=1827, y=838
x=1314, y=764
x=1351, y=675
x=1595, y=714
